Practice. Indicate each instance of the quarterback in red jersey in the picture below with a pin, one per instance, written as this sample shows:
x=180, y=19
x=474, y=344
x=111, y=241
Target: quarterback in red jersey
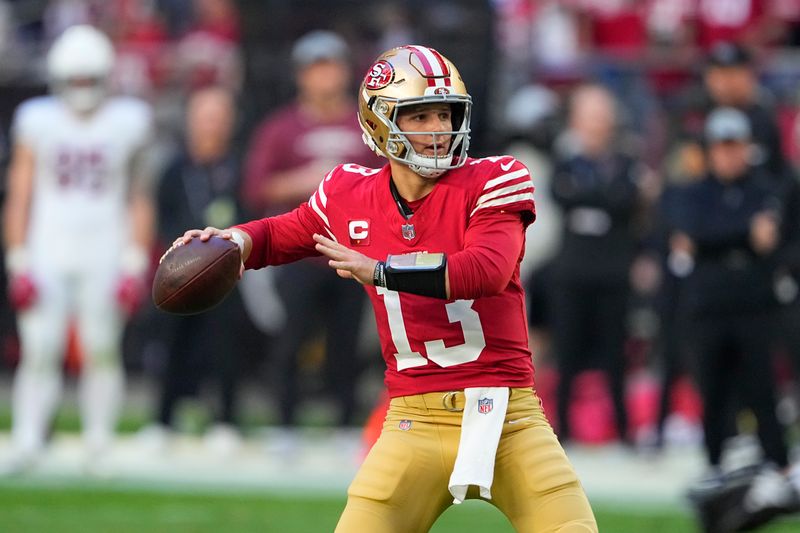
x=436, y=239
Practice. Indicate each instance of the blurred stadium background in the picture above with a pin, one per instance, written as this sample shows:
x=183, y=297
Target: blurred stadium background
x=519, y=58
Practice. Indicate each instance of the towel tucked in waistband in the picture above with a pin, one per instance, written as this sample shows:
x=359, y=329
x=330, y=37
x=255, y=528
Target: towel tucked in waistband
x=481, y=426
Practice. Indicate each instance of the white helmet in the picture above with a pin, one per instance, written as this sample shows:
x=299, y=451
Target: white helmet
x=82, y=53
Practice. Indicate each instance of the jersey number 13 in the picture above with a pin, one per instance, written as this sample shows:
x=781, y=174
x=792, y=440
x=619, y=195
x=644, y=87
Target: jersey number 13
x=459, y=311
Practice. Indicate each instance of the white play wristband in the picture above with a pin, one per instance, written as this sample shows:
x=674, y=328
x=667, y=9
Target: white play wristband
x=238, y=239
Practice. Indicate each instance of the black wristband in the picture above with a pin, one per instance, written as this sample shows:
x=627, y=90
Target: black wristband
x=423, y=282
x=379, y=276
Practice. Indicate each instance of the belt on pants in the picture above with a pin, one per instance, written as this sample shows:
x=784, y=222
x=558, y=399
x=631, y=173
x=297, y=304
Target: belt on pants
x=452, y=401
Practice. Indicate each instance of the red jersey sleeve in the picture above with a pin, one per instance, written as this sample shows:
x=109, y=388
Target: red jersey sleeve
x=504, y=186
x=493, y=246
x=286, y=238
x=501, y=209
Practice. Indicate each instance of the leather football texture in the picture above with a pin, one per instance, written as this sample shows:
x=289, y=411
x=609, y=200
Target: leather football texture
x=195, y=277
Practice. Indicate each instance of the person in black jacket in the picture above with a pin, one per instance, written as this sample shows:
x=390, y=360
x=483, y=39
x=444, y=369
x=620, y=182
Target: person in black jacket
x=595, y=183
x=730, y=229
x=730, y=232
x=199, y=188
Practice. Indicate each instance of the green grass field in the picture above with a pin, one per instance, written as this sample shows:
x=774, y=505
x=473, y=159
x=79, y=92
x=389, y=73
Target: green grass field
x=26, y=508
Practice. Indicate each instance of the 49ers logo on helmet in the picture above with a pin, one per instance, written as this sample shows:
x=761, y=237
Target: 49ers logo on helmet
x=379, y=76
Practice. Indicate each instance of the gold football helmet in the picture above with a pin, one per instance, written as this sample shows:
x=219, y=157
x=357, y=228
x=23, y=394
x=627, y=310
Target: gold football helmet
x=413, y=75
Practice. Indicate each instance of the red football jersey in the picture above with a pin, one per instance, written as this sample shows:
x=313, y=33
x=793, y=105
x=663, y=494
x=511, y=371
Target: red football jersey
x=429, y=344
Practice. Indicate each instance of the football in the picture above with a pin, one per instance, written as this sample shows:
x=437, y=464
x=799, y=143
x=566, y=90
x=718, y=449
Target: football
x=195, y=277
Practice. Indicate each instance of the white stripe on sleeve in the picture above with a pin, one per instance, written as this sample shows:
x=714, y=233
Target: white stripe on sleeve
x=504, y=201
x=505, y=190
x=313, y=203
x=506, y=177
x=321, y=190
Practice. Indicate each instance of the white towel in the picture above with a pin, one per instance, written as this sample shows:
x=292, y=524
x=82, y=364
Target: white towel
x=482, y=423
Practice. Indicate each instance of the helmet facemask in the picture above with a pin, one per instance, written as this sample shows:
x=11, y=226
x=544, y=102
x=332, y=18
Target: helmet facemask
x=399, y=147
x=82, y=94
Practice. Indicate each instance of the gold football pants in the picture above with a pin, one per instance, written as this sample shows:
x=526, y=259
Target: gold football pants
x=402, y=485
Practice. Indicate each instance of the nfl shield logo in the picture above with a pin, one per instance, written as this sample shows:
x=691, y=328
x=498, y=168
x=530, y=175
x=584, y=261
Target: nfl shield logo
x=404, y=425
x=408, y=231
x=485, y=405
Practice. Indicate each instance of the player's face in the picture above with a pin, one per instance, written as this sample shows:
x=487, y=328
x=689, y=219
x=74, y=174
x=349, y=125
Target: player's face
x=428, y=118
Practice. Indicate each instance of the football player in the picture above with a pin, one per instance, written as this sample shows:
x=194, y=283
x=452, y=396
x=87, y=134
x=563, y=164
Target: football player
x=77, y=226
x=436, y=239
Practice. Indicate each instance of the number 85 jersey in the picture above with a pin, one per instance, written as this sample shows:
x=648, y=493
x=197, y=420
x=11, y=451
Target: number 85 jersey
x=82, y=176
x=477, y=215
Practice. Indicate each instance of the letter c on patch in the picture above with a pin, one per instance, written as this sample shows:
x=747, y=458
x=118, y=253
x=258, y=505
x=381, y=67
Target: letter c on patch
x=358, y=230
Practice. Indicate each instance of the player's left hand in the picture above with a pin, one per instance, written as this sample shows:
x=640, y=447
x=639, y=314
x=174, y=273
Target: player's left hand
x=348, y=263
x=22, y=291
x=130, y=294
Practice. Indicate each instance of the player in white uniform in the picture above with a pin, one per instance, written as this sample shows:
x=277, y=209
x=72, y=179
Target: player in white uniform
x=78, y=223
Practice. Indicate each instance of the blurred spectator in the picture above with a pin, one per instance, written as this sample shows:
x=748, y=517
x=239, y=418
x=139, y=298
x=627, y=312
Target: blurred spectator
x=788, y=12
x=78, y=224
x=619, y=46
x=559, y=44
x=290, y=153
x=62, y=14
x=395, y=24
x=198, y=189
x=617, y=28
x=671, y=55
x=728, y=233
x=142, y=42
x=668, y=21
x=730, y=79
x=208, y=53
x=543, y=39
x=596, y=183
x=686, y=168
x=746, y=21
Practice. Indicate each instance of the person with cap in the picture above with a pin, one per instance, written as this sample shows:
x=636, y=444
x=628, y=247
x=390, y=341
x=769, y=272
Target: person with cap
x=288, y=152
x=729, y=232
x=730, y=79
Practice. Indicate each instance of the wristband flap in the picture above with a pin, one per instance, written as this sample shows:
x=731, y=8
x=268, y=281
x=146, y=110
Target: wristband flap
x=415, y=262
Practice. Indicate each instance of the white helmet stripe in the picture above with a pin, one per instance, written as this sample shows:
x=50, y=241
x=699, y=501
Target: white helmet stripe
x=429, y=61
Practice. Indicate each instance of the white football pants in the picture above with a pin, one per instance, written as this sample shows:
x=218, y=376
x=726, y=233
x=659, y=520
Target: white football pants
x=87, y=297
